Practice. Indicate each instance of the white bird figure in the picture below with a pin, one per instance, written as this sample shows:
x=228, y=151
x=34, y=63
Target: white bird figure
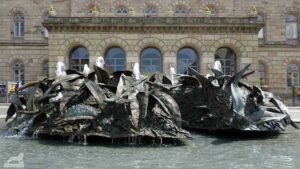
x=218, y=66
x=100, y=62
x=60, y=69
x=86, y=70
x=172, y=74
x=136, y=71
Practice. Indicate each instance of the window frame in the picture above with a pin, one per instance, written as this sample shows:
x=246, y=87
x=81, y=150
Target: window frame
x=18, y=71
x=18, y=25
x=290, y=74
x=151, y=61
x=225, y=60
x=81, y=61
x=114, y=67
x=290, y=22
x=178, y=59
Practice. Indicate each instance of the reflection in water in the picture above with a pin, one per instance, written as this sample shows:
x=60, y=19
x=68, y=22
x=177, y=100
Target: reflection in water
x=282, y=151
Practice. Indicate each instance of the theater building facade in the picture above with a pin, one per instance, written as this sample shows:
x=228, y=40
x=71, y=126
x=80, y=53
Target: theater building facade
x=157, y=34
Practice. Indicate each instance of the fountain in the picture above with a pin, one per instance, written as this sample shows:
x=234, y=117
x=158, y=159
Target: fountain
x=120, y=106
x=222, y=102
x=128, y=106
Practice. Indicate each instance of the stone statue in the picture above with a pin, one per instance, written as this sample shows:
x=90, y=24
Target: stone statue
x=52, y=11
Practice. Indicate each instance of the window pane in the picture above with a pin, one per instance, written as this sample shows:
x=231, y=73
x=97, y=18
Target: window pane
x=261, y=33
x=291, y=30
x=78, y=57
x=151, y=60
x=18, y=69
x=186, y=57
x=293, y=75
x=115, y=59
x=228, y=60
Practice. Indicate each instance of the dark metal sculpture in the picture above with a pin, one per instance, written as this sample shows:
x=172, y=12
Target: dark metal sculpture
x=125, y=105
x=222, y=102
x=114, y=107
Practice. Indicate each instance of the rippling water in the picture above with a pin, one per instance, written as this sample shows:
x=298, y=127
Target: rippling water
x=282, y=152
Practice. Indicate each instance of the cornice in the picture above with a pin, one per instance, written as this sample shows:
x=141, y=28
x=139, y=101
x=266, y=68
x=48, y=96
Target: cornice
x=154, y=24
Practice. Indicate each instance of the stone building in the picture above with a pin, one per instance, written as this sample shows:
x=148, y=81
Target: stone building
x=158, y=34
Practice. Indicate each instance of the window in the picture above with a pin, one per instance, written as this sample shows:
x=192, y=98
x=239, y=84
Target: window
x=293, y=75
x=151, y=9
x=46, y=69
x=151, y=60
x=228, y=60
x=186, y=57
x=122, y=10
x=115, y=59
x=180, y=9
x=79, y=56
x=291, y=27
x=18, y=25
x=262, y=74
x=261, y=31
x=18, y=68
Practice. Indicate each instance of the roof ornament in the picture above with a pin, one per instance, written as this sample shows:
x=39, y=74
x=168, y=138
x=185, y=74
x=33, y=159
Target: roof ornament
x=95, y=11
x=52, y=11
x=131, y=10
x=207, y=10
x=253, y=11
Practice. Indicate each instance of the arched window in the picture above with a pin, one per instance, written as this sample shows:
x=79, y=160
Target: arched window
x=122, y=9
x=78, y=57
x=18, y=25
x=186, y=57
x=19, y=70
x=262, y=74
x=151, y=9
x=151, y=60
x=115, y=59
x=261, y=31
x=292, y=75
x=180, y=9
x=228, y=60
x=291, y=27
x=46, y=69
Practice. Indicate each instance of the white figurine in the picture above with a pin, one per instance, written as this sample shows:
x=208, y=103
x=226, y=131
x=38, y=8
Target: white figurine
x=60, y=69
x=172, y=74
x=136, y=71
x=218, y=66
x=86, y=70
x=100, y=62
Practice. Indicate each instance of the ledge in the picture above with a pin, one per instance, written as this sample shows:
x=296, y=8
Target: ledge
x=23, y=43
x=155, y=24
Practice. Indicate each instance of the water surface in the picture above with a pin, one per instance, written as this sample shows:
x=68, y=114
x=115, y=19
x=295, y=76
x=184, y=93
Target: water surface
x=204, y=151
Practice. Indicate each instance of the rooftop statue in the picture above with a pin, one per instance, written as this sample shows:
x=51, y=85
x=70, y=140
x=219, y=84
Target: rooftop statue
x=223, y=102
x=52, y=11
x=253, y=11
x=95, y=11
x=207, y=10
